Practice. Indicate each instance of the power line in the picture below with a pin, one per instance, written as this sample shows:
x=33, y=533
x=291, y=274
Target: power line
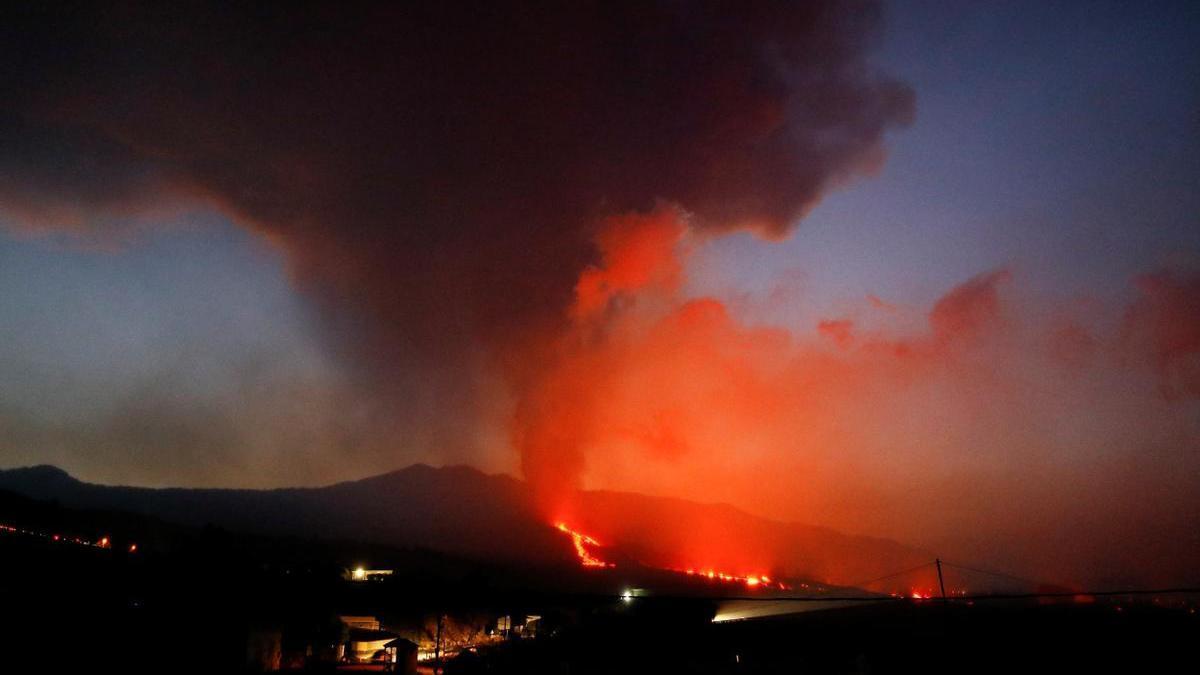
x=1073, y=594
x=860, y=584
x=884, y=598
x=995, y=574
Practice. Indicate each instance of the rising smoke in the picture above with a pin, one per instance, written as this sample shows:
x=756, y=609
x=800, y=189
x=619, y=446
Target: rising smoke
x=493, y=206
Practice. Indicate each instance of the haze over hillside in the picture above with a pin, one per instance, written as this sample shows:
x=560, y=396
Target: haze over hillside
x=462, y=510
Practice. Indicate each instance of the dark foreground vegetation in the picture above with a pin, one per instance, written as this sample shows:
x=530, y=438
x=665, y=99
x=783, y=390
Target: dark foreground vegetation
x=191, y=600
x=897, y=637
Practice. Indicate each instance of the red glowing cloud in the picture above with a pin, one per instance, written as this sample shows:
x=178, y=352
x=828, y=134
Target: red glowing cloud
x=1163, y=327
x=841, y=331
x=636, y=251
x=938, y=437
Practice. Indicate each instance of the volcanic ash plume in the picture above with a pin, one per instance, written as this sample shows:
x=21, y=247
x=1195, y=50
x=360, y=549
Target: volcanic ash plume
x=437, y=173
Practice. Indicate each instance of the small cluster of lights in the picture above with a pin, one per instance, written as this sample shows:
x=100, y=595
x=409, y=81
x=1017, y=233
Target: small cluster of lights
x=361, y=573
x=102, y=542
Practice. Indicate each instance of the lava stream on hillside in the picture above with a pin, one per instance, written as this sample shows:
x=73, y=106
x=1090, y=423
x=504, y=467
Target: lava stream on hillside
x=589, y=559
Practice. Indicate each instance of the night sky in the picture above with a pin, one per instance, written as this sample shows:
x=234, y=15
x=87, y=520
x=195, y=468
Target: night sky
x=927, y=270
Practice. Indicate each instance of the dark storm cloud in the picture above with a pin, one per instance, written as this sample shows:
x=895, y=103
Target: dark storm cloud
x=433, y=170
x=56, y=178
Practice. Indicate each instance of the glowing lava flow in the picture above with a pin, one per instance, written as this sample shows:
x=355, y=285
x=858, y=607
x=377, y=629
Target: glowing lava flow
x=753, y=581
x=582, y=541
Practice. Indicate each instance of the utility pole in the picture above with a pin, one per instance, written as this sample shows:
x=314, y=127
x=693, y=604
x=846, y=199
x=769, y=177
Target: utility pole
x=941, y=583
x=437, y=650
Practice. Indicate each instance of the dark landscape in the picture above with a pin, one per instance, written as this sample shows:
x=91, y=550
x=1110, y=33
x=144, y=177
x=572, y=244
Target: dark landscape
x=175, y=581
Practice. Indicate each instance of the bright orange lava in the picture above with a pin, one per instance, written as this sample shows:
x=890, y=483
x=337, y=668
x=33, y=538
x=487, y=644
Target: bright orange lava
x=582, y=541
x=752, y=581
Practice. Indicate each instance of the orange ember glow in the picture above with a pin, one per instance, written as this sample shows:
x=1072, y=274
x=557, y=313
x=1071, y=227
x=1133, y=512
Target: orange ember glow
x=752, y=580
x=582, y=541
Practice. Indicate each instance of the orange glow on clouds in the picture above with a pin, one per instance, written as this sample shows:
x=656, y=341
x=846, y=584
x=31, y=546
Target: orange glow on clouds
x=653, y=391
x=637, y=251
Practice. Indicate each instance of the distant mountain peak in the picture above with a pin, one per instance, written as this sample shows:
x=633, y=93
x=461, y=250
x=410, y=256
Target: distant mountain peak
x=39, y=472
x=422, y=471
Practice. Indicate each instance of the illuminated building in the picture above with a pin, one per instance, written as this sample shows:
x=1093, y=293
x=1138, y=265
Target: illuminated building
x=363, y=574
